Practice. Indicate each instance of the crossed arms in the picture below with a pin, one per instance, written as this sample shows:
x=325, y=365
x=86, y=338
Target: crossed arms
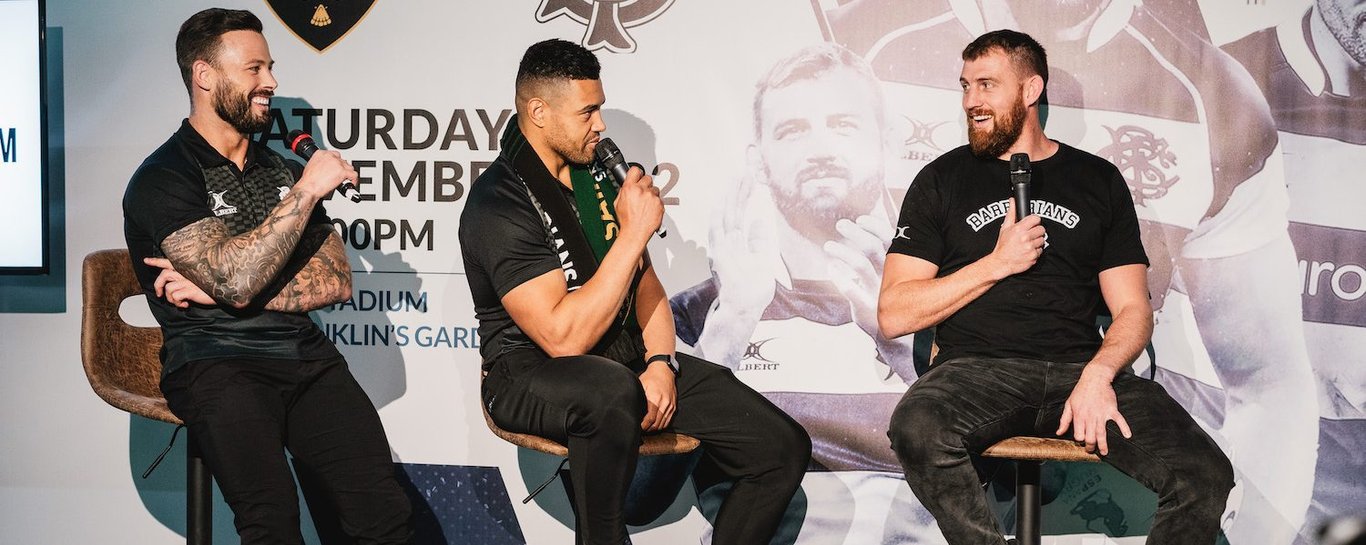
x=284, y=264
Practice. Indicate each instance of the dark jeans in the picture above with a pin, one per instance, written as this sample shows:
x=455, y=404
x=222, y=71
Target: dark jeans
x=967, y=404
x=595, y=405
x=243, y=414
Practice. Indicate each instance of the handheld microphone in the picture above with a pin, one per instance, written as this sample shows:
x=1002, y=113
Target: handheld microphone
x=609, y=156
x=302, y=144
x=1019, y=180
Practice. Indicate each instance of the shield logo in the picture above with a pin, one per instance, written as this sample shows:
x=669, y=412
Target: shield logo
x=320, y=23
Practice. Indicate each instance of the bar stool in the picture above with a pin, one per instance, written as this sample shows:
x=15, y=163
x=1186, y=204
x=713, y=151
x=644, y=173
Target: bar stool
x=123, y=364
x=658, y=445
x=1029, y=454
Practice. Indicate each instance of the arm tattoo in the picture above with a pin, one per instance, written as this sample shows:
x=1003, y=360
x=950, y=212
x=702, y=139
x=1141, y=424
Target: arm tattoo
x=235, y=269
x=321, y=278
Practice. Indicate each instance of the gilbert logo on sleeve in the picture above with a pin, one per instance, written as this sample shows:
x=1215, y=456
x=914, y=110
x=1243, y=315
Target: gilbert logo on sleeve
x=320, y=23
x=606, y=20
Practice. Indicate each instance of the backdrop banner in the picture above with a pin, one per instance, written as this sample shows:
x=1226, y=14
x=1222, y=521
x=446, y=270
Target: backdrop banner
x=784, y=135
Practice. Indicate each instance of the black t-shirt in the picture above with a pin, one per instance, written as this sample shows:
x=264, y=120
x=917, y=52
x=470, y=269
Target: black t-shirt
x=504, y=244
x=952, y=217
x=186, y=180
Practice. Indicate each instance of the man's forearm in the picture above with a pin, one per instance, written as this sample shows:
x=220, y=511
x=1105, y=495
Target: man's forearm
x=656, y=319
x=235, y=269
x=325, y=278
x=909, y=306
x=1124, y=340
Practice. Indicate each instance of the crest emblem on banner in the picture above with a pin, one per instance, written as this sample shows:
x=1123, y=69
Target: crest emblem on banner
x=606, y=20
x=1143, y=159
x=320, y=23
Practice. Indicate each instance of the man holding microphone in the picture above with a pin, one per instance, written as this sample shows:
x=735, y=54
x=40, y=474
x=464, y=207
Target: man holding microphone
x=233, y=249
x=1014, y=307
x=575, y=329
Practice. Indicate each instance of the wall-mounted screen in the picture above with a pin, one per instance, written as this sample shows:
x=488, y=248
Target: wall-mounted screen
x=23, y=168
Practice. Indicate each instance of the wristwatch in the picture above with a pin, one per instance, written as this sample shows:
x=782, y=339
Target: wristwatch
x=667, y=359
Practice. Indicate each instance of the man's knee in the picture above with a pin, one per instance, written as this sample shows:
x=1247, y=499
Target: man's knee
x=610, y=396
x=920, y=432
x=1203, y=481
x=1212, y=472
x=793, y=448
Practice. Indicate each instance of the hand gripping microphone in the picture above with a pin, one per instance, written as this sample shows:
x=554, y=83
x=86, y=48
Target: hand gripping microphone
x=609, y=156
x=302, y=145
x=1019, y=180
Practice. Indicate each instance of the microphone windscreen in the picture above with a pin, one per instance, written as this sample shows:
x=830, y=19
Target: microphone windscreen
x=1019, y=162
x=609, y=156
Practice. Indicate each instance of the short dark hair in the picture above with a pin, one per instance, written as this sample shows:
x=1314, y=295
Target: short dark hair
x=557, y=60
x=201, y=36
x=1024, y=52
x=810, y=63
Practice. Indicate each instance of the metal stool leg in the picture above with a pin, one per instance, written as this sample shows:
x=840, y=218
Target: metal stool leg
x=568, y=481
x=199, y=497
x=1027, y=527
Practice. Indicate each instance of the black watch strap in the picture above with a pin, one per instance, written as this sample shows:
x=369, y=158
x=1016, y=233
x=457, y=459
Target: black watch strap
x=667, y=359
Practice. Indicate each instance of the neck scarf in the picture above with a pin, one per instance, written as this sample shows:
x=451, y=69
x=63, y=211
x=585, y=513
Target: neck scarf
x=581, y=238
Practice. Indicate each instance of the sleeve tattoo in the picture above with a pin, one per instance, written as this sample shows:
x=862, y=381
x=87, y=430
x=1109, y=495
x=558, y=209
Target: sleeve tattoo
x=238, y=270
x=321, y=277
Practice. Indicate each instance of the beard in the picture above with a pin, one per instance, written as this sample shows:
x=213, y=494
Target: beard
x=572, y=153
x=569, y=148
x=1005, y=131
x=1348, y=31
x=815, y=216
x=235, y=108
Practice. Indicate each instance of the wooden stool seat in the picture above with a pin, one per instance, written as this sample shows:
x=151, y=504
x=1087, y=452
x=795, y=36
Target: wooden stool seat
x=1040, y=449
x=652, y=445
x=1029, y=454
x=672, y=458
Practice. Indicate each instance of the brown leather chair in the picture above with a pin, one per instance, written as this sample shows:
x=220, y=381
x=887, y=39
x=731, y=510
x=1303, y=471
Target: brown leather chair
x=123, y=364
x=1029, y=454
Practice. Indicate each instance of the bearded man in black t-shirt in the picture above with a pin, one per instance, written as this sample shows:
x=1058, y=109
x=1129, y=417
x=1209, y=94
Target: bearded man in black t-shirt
x=232, y=247
x=574, y=326
x=1014, y=309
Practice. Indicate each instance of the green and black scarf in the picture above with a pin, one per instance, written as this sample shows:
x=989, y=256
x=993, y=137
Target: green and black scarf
x=581, y=232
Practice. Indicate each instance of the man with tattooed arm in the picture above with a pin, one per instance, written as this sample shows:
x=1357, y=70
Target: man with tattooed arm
x=233, y=249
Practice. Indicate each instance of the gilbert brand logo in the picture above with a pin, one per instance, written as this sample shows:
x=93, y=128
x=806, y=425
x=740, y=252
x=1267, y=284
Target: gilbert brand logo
x=221, y=207
x=919, y=143
x=606, y=20
x=752, y=352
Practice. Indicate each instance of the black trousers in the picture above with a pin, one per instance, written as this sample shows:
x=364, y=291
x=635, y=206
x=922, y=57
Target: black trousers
x=967, y=404
x=594, y=406
x=244, y=413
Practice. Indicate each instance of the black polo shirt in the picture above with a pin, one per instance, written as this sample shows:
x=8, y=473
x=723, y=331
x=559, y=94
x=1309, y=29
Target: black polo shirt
x=184, y=181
